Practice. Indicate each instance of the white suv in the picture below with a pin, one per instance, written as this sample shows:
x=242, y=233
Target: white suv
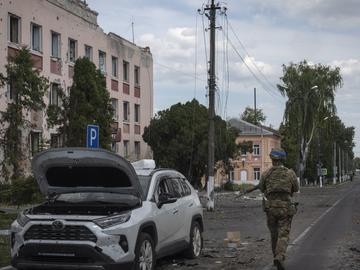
x=104, y=213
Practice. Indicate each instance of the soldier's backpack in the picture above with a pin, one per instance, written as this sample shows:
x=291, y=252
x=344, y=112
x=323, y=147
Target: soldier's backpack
x=278, y=180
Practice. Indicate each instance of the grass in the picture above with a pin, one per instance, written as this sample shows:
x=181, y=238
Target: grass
x=4, y=251
x=5, y=220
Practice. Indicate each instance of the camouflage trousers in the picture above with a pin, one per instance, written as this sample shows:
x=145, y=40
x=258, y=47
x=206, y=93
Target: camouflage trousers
x=279, y=224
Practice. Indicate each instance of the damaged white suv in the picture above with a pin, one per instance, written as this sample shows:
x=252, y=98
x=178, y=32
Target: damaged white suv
x=104, y=213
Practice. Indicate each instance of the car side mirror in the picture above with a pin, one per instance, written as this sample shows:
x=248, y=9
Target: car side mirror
x=166, y=198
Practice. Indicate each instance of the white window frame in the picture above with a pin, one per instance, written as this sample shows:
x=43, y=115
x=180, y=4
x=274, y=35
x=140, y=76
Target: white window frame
x=54, y=98
x=114, y=66
x=75, y=50
x=90, y=57
x=10, y=15
x=137, y=75
x=257, y=173
x=32, y=25
x=126, y=111
x=256, y=149
x=102, y=66
x=115, y=106
x=137, y=149
x=137, y=113
x=126, y=148
x=58, y=53
x=126, y=71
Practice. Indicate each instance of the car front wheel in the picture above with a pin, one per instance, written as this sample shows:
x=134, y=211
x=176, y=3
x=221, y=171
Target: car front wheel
x=145, y=253
x=196, y=241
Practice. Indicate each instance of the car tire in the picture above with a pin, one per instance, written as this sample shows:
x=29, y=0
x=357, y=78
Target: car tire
x=144, y=253
x=196, y=241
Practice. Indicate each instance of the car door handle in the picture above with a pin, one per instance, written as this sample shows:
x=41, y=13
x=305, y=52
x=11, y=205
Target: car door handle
x=175, y=211
x=191, y=204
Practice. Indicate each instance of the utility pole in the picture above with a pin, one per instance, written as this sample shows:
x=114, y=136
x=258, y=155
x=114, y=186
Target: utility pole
x=132, y=30
x=334, y=164
x=210, y=12
x=255, y=115
x=340, y=169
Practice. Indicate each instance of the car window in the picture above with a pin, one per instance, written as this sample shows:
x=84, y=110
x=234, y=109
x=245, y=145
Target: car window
x=163, y=187
x=178, y=191
x=145, y=183
x=185, y=186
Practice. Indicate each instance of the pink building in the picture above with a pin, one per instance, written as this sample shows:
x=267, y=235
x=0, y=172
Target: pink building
x=254, y=157
x=57, y=32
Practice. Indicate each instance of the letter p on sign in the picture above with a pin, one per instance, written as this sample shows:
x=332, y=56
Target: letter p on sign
x=92, y=136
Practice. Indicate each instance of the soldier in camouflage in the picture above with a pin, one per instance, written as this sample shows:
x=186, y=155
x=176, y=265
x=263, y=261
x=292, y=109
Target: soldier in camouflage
x=278, y=185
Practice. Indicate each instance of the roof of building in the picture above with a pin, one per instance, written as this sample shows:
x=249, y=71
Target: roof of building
x=246, y=128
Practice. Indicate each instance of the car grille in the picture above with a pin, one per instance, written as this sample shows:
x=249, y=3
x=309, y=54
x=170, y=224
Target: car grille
x=69, y=232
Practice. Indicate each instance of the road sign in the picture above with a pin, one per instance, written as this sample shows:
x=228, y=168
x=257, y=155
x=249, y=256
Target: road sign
x=323, y=171
x=92, y=136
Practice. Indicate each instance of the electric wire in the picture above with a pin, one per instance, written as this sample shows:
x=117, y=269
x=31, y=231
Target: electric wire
x=249, y=56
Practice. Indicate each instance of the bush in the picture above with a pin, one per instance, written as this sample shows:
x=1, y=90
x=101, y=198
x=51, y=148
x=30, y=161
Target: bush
x=230, y=186
x=23, y=190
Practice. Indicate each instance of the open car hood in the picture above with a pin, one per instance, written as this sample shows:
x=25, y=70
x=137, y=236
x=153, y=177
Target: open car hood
x=68, y=170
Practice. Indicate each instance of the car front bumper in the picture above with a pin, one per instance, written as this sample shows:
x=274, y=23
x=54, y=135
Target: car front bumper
x=62, y=256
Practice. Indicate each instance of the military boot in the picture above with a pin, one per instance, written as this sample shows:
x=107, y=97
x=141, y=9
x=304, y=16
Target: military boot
x=279, y=264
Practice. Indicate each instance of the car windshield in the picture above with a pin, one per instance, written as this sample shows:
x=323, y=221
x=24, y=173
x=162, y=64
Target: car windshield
x=98, y=197
x=145, y=183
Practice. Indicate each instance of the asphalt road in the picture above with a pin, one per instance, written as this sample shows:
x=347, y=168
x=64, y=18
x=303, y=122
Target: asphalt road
x=325, y=233
x=327, y=242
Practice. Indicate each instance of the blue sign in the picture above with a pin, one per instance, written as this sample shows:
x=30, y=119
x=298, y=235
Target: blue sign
x=92, y=136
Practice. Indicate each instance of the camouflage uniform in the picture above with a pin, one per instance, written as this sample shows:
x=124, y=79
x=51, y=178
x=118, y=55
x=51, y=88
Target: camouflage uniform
x=278, y=185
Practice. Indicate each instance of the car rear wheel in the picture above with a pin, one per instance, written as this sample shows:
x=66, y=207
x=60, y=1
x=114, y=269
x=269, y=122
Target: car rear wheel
x=145, y=253
x=196, y=241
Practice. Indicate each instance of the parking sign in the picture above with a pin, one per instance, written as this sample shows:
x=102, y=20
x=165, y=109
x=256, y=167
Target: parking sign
x=92, y=136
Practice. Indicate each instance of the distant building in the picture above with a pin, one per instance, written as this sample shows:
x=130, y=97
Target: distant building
x=57, y=32
x=253, y=158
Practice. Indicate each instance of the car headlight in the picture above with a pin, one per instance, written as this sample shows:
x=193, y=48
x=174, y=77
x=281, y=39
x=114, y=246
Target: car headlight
x=22, y=219
x=112, y=220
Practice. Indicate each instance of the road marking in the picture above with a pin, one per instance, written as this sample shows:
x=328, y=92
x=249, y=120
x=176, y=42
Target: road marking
x=7, y=268
x=304, y=233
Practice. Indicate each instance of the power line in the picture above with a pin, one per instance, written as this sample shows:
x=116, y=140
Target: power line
x=179, y=71
x=252, y=72
x=250, y=58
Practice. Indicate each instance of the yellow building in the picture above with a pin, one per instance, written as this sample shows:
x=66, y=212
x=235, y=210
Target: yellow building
x=253, y=159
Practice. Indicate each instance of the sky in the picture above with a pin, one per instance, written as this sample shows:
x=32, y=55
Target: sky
x=255, y=38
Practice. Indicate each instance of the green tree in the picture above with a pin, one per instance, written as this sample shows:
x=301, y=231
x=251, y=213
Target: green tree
x=310, y=92
x=88, y=103
x=357, y=163
x=178, y=139
x=27, y=89
x=249, y=116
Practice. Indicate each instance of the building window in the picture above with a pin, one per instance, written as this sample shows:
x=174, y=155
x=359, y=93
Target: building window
x=257, y=174
x=10, y=93
x=126, y=111
x=137, y=75
x=126, y=148
x=55, y=45
x=243, y=151
x=54, y=94
x=126, y=71
x=72, y=50
x=114, y=147
x=54, y=140
x=114, y=104
x=231, y=176
x=36, y=37
x=35, y=142
x=102, y=61
x=137, y=113
x=137, y=150
x=14, y=28
x=256, y=149
x=114, y=65
x=89, y=52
